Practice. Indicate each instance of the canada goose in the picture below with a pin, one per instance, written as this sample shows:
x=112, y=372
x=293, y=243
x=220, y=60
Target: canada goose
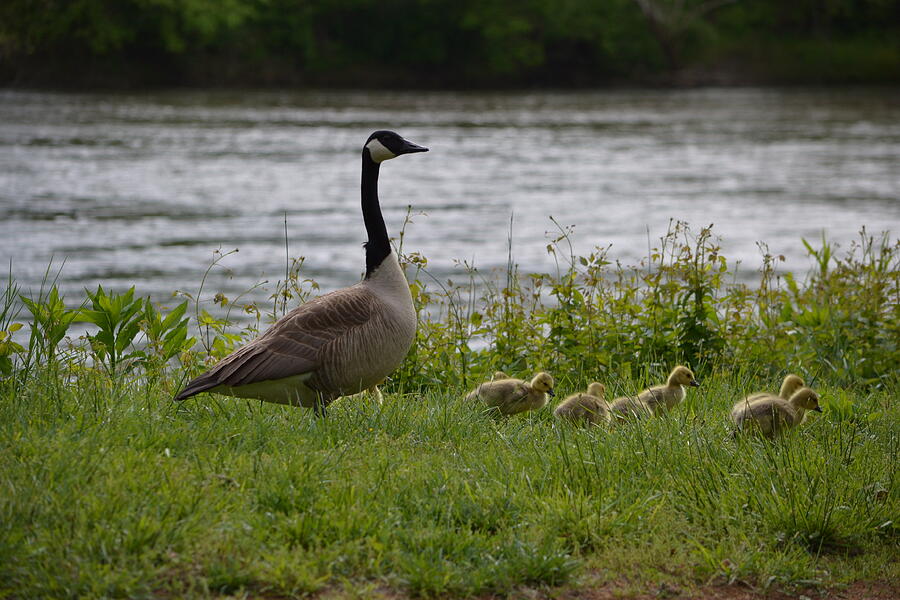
x=789, y=385
x=629, y=407
x=340, y=343
x=770, y=415
x=511, y=396
x=590, y=407
x=662, y=398
x=658, y=399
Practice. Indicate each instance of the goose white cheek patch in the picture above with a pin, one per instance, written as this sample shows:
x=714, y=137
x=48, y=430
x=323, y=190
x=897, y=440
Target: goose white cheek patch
x=379, y=151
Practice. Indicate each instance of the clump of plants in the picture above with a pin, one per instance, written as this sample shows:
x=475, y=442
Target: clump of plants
x=592, y=317
x=681, y=304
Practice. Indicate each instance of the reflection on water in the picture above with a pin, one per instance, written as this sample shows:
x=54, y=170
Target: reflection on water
x=142, y=189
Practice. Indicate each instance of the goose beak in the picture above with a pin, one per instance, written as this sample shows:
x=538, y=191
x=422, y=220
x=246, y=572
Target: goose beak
x=695, y=383
x=408, y=148
x=551, y=392
x=818, y=409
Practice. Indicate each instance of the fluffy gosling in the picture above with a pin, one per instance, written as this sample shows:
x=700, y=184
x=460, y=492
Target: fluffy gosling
x=511, y=396
x=662, y=398
x=629, y=407
x=789, y=385
x=770, y=415
x=589, y=408
x=658, y=399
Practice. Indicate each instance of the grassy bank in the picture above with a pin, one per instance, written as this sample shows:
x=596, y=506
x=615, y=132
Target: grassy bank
x=109, y=489
x=113, y=493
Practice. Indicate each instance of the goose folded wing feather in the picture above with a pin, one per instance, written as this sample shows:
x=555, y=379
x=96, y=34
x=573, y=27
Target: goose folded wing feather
x=296, y=344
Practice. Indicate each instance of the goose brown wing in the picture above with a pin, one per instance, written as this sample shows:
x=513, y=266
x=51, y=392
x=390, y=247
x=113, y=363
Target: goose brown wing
x=293, y=345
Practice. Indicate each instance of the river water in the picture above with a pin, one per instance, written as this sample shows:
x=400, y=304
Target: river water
x=142, y=189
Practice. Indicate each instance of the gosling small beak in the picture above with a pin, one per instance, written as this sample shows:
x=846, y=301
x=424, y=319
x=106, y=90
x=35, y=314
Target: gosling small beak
x=695, y=383
x=551, y=393
x=408, y=148
x=818, y=409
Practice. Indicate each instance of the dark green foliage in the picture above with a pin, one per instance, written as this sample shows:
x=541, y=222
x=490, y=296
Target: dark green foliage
x=849, y=315
x=8, y=314
x=444, y=42
x=681, y=304
x=50, y=320
x=118, y=317
x=167, y=335
x=592, y=317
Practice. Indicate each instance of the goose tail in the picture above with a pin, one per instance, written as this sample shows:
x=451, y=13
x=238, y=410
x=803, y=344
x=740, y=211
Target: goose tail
x=197, y=385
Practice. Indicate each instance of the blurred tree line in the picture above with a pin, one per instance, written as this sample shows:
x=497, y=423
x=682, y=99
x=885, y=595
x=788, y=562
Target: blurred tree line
x=458, y=43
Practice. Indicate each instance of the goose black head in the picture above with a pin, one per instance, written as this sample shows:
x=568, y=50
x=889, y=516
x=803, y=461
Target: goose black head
x=385, y=145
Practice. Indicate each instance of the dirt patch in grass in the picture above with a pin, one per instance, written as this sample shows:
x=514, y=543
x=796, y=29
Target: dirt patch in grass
x=861, y=590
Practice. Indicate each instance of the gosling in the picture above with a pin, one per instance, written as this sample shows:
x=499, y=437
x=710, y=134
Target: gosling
x=629, y=407
x=662, y=398
x=590, y=408
x=789, y=385
x=770, y=415
x=512, y=396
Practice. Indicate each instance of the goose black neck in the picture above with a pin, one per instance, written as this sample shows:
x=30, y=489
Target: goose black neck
x=378, y=247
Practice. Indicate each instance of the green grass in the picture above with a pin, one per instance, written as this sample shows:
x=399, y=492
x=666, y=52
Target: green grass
x=122, y=493
x=110, y=489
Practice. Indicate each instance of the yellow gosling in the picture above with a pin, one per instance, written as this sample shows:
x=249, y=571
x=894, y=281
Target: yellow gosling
x=629, y=407
x=512, y=396
x=589, y=408
x=789, y=385
x=770, y=415
x=656, y=400
x=373, y=393
x=662, y=398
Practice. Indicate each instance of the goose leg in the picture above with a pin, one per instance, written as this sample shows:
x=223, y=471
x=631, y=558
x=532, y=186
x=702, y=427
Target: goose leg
x=319, y=408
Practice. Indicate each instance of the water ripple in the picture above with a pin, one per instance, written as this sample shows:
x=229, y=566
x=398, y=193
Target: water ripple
x=143, y=188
